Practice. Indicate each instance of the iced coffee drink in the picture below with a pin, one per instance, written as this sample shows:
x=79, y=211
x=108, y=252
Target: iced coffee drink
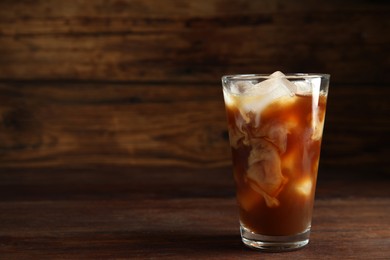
x=275, y=125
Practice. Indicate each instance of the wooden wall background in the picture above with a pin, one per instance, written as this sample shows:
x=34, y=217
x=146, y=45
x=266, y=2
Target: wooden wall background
x=128, y=83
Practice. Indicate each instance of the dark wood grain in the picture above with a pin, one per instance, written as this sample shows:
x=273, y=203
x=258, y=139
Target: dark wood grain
x=58, y=124
x=137, y=82
x=113, y=124
x=176, y=41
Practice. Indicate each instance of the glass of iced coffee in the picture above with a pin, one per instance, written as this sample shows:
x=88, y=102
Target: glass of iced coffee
x=275, y=125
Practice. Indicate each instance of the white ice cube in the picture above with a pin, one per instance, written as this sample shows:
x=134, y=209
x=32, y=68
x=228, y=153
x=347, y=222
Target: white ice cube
x=264, y=93
x=303, y=87
x=277, y=74
x=283, y=81
x=276, y=86
x=308, y=86
x=241, y=87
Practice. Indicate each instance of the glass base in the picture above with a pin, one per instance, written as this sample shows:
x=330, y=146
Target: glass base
x=274, y=243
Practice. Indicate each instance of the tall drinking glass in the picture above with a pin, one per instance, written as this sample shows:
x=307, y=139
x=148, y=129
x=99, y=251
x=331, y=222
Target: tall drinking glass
x=275, y=125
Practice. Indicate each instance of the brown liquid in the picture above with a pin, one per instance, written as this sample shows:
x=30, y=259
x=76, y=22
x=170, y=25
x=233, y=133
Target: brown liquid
x=275, y=163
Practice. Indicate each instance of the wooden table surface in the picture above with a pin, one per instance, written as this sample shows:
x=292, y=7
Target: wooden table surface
x=173, y=213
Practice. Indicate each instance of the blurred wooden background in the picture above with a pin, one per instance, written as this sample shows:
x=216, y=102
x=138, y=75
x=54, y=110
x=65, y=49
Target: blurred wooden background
x=128, y=83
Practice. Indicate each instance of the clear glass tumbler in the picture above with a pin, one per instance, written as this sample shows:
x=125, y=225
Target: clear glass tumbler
x=275, y=125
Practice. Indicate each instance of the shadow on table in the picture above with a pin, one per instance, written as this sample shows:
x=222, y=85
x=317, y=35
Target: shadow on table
x=180, y=241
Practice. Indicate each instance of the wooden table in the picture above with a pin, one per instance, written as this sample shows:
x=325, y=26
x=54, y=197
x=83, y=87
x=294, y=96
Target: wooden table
x=173, y=213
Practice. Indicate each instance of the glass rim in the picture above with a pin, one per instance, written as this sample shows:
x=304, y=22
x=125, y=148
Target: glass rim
x=240, y=77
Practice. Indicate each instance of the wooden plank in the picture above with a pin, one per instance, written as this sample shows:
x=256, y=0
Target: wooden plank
x=174, y=8
x=153, y=41
x=54, y=124
x=184, y=125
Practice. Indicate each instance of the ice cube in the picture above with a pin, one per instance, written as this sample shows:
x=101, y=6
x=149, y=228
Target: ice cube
x=275, y=87
x=241, y=87
x=264, y=93
x=254, y=98
x=311, y=85
x=277, y=74
x=303, y=87
x=281, y=80
x=308, y=86
x=304, y=187
x=229, y=99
